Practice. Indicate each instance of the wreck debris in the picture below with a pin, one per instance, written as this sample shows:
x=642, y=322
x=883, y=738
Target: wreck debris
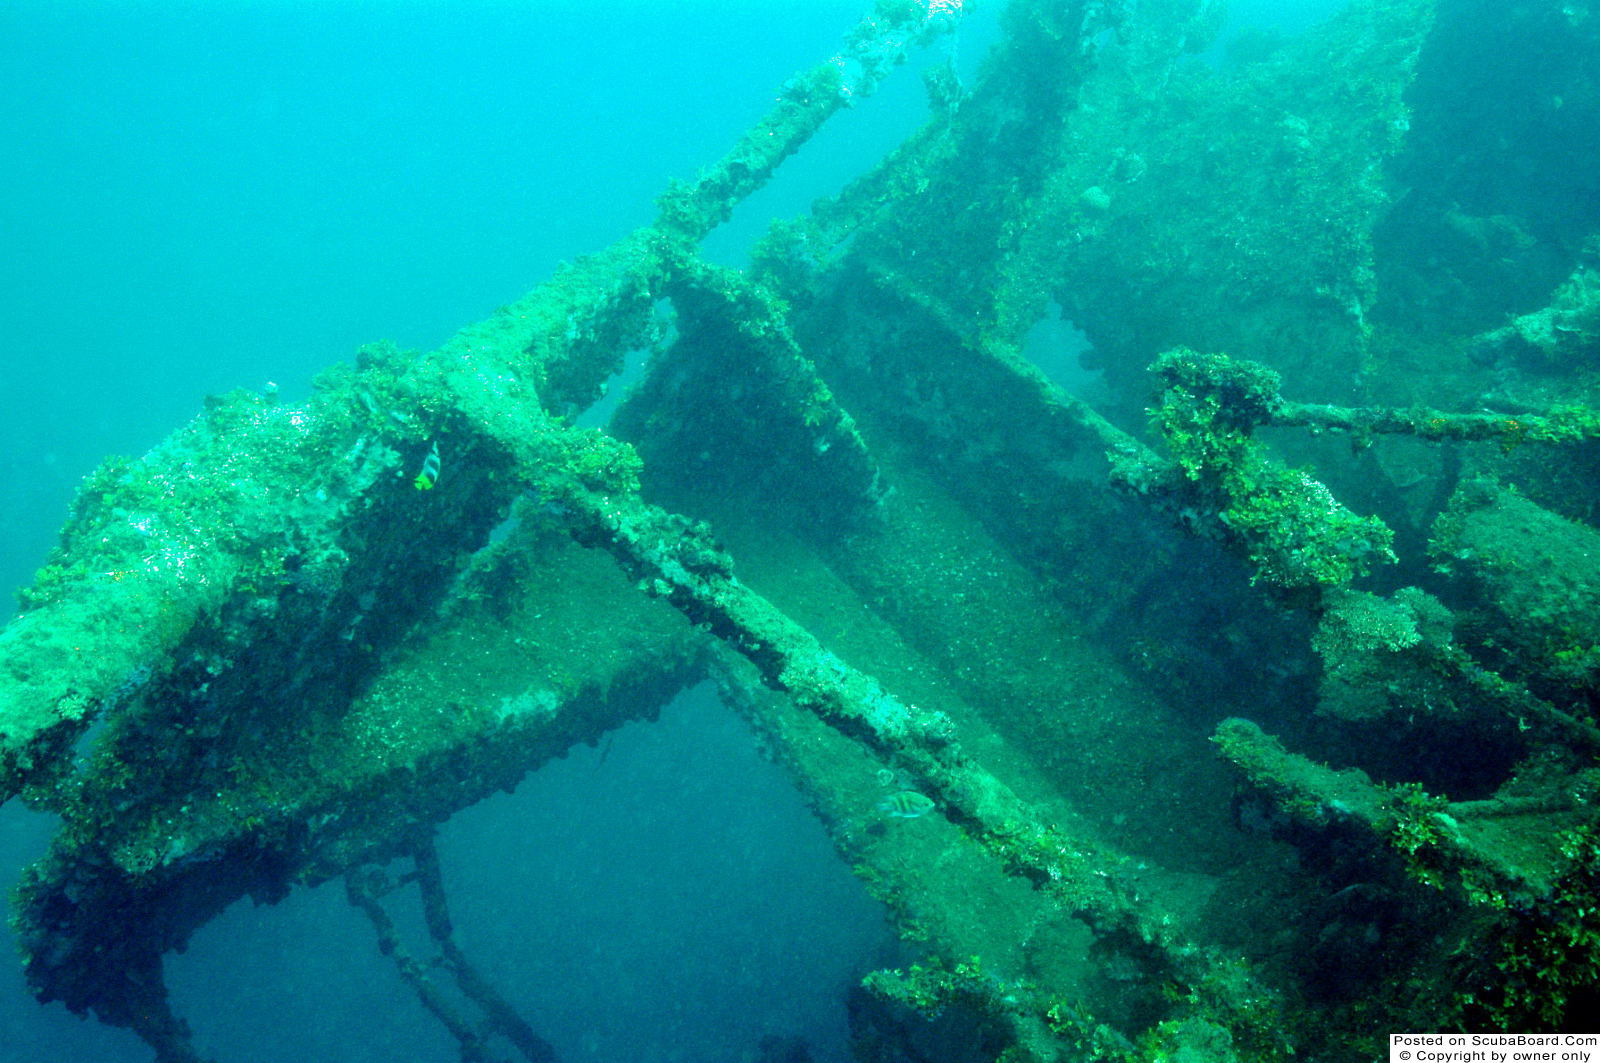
x=366, y=887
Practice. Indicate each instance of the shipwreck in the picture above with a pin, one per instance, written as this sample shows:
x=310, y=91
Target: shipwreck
x=1248, y=666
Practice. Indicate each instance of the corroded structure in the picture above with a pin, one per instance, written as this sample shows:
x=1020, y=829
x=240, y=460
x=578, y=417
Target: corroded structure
x=1134, y=660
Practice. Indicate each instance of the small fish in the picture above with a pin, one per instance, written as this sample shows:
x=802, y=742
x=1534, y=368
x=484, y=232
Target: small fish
x=906, y=804
x=430, y=470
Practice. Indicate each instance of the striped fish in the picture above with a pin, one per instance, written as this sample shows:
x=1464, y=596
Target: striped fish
x=906, y=804
x=430, y=470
